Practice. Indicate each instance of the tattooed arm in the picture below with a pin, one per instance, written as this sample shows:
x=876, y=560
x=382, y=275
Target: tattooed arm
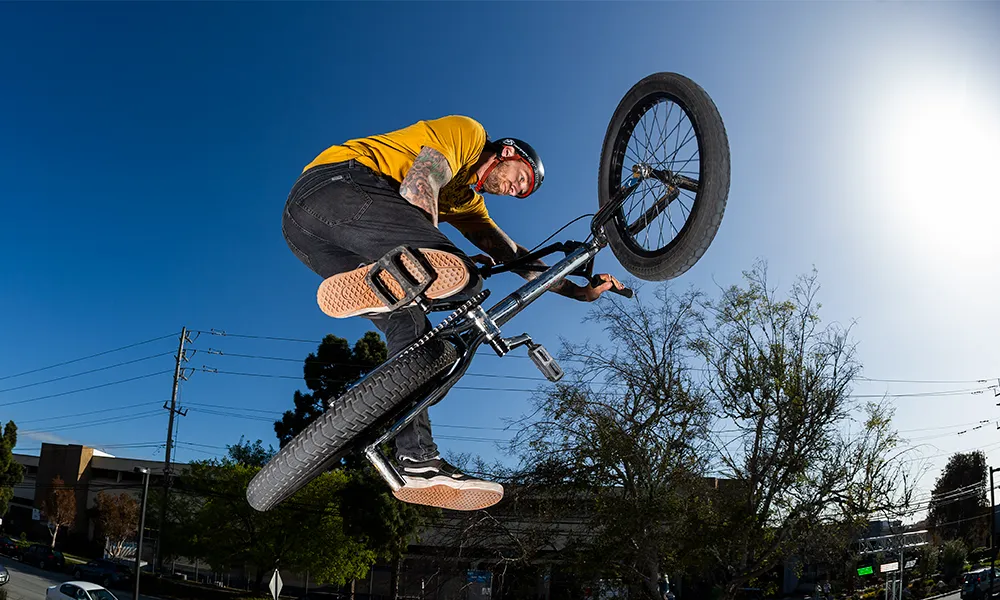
x=501, y=248
x=429, y=173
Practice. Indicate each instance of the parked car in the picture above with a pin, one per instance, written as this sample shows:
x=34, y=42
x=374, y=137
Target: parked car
x=108, y=573
x=975, y=583
x=43, y=557
x=78, y=590
x=4, y=575
x=9, y=546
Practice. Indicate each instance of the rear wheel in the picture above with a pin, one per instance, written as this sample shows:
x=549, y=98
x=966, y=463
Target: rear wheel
x=331, y=436
x=667, y=134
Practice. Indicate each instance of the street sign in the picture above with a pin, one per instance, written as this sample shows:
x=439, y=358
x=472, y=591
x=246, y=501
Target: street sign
x=866, y=570
x=275, y=585
x=480, y=585
x=889, y=567
x=910, y=563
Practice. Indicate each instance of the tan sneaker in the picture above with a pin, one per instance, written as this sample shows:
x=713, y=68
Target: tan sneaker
x=434, y=482
x=349, y=294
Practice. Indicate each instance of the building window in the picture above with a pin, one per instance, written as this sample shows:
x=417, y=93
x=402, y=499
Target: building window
x=104, y=474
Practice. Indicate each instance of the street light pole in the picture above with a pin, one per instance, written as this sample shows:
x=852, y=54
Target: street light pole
x=142, y=526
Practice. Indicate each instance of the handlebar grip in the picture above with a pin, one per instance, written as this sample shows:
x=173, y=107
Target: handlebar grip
x=627, y=292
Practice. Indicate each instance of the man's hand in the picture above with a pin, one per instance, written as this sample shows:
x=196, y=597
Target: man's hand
x=591, y=292
x=483, y=259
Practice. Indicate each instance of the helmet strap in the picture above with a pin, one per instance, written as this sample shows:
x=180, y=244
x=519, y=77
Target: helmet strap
x=497, y=159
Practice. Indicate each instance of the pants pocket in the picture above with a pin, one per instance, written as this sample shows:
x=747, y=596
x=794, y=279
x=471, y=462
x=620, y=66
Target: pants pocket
x=334, y=200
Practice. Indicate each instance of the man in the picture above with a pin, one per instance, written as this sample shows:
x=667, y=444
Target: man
x=359, y=200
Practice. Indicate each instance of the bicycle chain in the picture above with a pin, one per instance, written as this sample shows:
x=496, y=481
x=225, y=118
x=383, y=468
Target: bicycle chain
x=459, y=312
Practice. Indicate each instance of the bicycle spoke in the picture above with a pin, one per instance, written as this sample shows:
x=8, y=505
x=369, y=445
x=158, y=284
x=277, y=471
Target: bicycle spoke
x=645, y=146
x=687, y=139
x=661, y=137
x=664, y=140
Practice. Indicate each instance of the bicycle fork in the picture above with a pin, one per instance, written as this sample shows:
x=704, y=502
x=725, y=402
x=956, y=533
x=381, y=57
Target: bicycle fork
x=484, y=326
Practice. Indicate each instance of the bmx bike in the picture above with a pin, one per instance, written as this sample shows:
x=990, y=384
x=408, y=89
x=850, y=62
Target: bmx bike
x=663, y=182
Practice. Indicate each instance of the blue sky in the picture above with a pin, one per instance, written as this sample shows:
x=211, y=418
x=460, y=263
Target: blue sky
x=146, y=151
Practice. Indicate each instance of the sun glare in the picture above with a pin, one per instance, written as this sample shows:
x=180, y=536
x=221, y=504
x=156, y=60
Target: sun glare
x=936, y=162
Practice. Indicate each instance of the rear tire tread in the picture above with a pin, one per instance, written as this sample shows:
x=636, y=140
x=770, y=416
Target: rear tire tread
x=326, y=439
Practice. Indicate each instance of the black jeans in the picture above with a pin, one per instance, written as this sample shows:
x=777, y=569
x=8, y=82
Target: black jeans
x=344, y=215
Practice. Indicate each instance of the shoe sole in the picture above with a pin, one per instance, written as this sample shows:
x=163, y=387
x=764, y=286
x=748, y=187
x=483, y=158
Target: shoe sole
x=348, y=295
x=443, y=496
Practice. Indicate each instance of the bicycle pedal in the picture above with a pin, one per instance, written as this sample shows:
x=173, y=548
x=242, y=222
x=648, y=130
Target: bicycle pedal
x=414, y=284
x=545, y=363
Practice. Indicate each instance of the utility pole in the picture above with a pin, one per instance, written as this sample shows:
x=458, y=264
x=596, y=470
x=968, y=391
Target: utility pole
x=993, y=532
x=178, y=376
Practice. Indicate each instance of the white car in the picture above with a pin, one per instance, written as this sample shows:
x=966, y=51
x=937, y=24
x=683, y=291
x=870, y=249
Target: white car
x=78, y=590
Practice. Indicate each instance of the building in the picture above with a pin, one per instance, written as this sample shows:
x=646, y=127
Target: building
x=88, y=472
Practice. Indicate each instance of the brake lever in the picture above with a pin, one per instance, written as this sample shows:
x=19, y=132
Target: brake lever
x=595, y=281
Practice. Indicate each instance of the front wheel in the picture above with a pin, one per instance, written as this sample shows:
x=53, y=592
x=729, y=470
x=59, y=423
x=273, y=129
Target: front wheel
x=668, y=137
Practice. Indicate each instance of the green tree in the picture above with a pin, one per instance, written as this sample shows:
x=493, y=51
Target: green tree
x=959, y=509
x=327, y=373
x=251, y=455
x=953, y=559
x=11, y=471
x=801, y=458
x=927, y=560
x=371, y=513
x=304, y=533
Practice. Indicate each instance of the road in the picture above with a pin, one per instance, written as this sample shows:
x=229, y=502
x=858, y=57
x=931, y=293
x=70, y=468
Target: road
x=29, y=583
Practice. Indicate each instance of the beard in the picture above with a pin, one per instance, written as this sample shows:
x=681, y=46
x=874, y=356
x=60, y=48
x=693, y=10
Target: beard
x=496, y=181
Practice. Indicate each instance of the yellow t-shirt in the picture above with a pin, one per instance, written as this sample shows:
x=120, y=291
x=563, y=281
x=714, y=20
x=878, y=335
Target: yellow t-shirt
x=460, y=139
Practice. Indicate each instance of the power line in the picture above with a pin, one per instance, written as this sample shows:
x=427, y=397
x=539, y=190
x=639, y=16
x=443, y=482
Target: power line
x=943, y=427
x=87, y=357
x=973, y=449
x=20, y=387
x=18, y=449
x=542, y=379
x=532, y=391
x=195, y=406
x=103, y=421
x=931, y=381
x=354, y=365
x=220, y=332
x=486, y=352
x=273, y=376
x=93, y=387
x=84, y=414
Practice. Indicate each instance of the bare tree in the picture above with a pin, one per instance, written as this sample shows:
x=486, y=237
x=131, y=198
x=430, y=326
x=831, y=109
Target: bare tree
x=611, y=452
x=59, y=507
x=803, y=458
x=118, y=515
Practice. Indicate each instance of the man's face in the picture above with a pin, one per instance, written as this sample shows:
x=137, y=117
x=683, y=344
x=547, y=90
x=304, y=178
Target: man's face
x=509, y=178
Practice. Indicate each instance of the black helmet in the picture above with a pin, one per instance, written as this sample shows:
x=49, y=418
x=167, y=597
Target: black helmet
x=525, y=152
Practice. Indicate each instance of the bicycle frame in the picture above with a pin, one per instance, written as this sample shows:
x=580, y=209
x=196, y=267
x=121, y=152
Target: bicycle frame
x=479, y=326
